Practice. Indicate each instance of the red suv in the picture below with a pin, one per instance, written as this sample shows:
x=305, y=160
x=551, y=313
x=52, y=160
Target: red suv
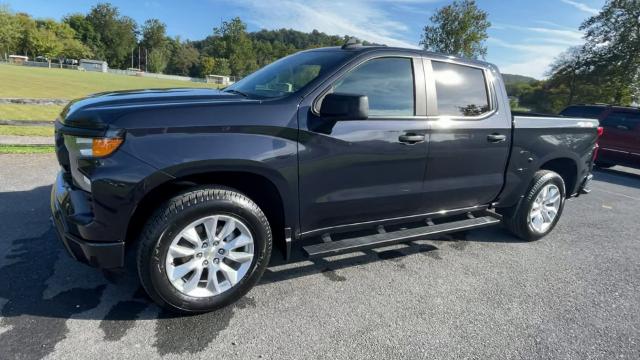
x=620, y=143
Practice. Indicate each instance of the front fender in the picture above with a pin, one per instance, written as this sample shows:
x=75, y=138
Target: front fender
x=265, y=151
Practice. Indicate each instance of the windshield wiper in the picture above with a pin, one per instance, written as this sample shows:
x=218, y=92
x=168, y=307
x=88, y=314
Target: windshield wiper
x=234, y=91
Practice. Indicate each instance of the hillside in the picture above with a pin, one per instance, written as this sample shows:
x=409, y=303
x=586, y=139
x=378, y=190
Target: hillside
x=511, y=79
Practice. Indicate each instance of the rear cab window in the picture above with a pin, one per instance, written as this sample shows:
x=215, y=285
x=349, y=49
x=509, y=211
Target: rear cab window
x=461, y=90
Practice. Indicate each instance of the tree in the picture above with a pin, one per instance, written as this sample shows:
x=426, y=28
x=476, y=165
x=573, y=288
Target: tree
x=457, y=29
x=154, y=34
x=44, y=42
x=86, y=34
x=157, y=61
x=9, y=31
x=154, y=39
x=613, y=44
x=206, y=66
x=221, y=67
x=236, y=46
x=74, y=49
x=183, y=58
x=26, y=27
x=118, y=34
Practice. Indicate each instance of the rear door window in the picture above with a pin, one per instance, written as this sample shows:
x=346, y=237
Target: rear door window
x=461, y=90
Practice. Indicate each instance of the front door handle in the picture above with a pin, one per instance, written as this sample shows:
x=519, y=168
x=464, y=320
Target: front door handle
x=496, y=138
x=411, y=138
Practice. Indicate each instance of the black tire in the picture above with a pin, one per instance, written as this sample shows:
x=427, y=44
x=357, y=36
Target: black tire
x=177, y=213
x=517, y=220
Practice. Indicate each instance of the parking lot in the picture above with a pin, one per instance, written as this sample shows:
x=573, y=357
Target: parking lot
x=574, y=294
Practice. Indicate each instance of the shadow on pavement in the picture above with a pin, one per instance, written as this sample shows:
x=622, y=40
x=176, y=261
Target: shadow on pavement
x=618, y=177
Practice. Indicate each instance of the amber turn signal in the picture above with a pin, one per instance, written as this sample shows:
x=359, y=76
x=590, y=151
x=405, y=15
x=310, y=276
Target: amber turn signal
x=105, y=146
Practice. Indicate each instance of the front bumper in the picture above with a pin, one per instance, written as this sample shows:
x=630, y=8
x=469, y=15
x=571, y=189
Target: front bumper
x=72, y=217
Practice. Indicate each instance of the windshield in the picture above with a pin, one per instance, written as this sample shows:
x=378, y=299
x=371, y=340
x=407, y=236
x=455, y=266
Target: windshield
x=288, y=75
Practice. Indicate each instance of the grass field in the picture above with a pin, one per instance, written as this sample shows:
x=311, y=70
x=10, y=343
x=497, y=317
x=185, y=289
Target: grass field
x=33, y=82
x=29, y=112
x=38, y=83
x=26, y=130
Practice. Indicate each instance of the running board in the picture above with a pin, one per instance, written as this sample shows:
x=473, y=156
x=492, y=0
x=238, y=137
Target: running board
x=330, y=248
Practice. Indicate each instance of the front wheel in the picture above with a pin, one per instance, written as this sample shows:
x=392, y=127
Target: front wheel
x=204, y=249
x=540, y=209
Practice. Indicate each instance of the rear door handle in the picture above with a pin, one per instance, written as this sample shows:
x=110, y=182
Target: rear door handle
x=496, y=138
x=411, y=138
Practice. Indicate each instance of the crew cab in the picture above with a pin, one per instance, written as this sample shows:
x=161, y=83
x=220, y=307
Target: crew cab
x=620, y=141
x=326, y=151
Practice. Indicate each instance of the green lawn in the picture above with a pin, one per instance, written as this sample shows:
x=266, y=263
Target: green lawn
x=25, y=149
x=26, y=130
x=33, y=82
x=29, y=112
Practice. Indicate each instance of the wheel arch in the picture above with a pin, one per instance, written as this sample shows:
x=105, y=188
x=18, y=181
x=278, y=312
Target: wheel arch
x=567, y=168
x=270, y=192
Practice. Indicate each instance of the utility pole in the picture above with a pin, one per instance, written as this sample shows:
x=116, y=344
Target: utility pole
x=132, y=58
x=146, y=60
x=138, y=57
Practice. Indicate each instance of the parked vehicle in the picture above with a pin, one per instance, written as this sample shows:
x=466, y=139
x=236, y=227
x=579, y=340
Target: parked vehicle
x=332, y=150
x=620, y=142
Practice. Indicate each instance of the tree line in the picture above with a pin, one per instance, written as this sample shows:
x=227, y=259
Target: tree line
x=605, y=69
x=105, y=34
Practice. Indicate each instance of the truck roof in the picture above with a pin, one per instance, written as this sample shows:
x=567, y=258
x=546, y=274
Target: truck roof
x=360, y=49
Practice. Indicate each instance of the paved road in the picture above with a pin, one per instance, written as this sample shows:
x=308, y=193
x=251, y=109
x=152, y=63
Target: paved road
x=574, y=294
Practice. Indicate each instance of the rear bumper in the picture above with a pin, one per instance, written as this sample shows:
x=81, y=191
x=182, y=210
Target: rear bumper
x=72, y=217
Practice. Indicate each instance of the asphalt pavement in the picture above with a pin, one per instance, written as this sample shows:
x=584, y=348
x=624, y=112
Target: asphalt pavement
x=572, y=295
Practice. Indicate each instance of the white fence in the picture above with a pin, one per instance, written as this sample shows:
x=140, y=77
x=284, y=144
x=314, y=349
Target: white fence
x=46, y=65
x=232, y=79
x=154, y=75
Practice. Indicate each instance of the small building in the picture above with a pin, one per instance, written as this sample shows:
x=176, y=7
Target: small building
x=18, y=59
x=93, y=65
x=219, y=79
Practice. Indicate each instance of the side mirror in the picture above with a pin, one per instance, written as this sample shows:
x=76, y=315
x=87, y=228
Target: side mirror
x=338, y=106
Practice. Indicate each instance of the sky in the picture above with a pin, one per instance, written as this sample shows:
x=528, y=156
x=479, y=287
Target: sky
x=525, y=36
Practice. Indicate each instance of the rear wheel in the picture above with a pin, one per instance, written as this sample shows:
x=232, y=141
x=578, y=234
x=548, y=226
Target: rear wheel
x=204, y=249
x=540, y=209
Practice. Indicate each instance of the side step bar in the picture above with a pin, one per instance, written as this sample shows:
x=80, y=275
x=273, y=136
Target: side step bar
x=331, y=248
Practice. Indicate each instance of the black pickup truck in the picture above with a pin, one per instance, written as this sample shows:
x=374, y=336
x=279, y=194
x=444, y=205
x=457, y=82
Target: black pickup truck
x=329, y=150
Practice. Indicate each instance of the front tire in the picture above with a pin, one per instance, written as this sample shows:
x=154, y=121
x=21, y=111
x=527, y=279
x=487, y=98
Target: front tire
x=204, y=249
x=539, y=211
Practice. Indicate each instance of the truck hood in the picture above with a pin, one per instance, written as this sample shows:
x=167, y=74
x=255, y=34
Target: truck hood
x=98, y=110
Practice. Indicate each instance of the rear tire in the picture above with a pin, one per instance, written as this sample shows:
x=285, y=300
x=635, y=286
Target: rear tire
x=224, y=217
x=524, y=221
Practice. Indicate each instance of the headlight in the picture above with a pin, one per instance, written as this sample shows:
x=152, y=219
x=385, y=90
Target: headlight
x=95, y=147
